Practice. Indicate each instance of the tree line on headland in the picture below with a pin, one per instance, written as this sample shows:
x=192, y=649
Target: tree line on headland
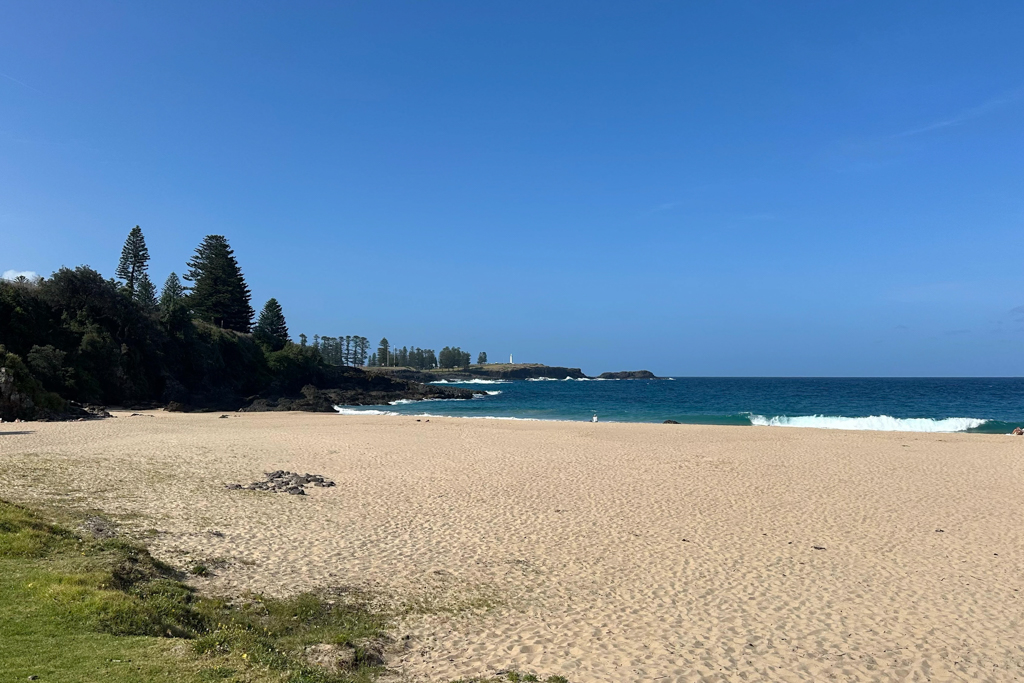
x=354, y=350
x=78, y=337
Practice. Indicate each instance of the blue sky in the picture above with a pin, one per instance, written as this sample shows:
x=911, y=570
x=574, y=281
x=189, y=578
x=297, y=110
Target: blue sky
x=728, y=188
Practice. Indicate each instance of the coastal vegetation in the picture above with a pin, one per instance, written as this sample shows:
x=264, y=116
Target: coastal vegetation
x=353, y=350
x=77, y=338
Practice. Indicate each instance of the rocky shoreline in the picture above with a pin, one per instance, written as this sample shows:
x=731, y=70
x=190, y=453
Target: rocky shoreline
x=315, y=400
x=496, y=371
x=331, y=386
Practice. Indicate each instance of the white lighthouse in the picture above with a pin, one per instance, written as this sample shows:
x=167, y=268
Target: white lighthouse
x=510, y=361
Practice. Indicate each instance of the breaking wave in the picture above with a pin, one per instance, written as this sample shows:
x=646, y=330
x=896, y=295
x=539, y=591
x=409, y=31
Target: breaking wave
x=556, y=379
x=471, y=381
x=878, y=423
x=355, y=411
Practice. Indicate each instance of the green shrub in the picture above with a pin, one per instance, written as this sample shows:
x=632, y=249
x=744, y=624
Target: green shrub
x=22, y=396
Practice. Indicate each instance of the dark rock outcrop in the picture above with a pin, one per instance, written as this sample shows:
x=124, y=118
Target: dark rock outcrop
x=489, y=371
x=359, y=389
x=669, y=422
x=628, y=374
x=282, y=481
x=325, y=387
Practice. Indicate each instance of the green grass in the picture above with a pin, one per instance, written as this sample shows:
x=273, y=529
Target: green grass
x=79, y=610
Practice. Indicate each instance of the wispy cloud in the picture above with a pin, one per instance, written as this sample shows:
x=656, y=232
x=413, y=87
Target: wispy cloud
x=965, y=115
x=667, y=206
x=15, y=274
x=24, y=85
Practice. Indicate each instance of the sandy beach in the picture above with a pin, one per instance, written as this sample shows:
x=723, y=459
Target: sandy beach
x=601, y=552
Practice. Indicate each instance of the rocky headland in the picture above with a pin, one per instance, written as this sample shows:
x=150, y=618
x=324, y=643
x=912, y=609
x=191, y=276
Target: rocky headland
x=494, y=371
x=489, y=371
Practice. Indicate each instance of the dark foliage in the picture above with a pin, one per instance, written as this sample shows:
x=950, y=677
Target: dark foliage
x=453, y=357
x=271, y=330
x=134, y=260
x=219, y=294
x=172, y=295
x=145, y=294
x=22, y=396
x=77, y=338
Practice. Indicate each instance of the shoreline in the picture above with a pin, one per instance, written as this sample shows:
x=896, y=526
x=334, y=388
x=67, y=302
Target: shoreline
x=383, y=411
x=601, y=552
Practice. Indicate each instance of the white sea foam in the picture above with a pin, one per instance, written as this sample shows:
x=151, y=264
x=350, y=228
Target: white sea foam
x=489, y=417
x=880, y=423
x=355, y=411
x=555, y=379
x=405, y=401
x=471, y=381
x=493, y=393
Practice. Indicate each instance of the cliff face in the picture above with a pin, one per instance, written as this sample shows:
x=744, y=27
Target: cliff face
x=628, y=374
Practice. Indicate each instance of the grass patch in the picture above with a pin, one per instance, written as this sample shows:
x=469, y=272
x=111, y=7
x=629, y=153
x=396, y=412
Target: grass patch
x=78, y=609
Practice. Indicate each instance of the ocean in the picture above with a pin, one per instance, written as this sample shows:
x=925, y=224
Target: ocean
x=991, y=405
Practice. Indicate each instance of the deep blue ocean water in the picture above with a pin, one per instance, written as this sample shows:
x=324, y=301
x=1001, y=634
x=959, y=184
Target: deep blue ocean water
x=904, y=404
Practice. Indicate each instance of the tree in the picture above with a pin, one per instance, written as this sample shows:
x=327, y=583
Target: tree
x=173, y=294
x=134, y=260
x=382, y=352
x=145, y=294
x=271, y=329
x=363, y=348
x=481, y=359
x=453, y=357
x=302, y=339
x=219, y=294
x=373, y=360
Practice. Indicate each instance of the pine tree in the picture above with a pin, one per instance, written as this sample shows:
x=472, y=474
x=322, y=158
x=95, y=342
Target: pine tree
x=382, y=352
x=173, y=294
x=481, y=358
x=219, y=294
x=134, y=260
x=271, y=329
x=145, y=293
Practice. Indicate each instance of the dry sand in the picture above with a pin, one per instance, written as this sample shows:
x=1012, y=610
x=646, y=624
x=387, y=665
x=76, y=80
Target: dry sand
x=602, y=552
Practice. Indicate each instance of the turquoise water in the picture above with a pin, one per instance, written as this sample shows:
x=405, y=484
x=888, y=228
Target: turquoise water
x=901, y=404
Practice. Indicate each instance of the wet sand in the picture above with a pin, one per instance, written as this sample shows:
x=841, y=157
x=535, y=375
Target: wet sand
x=601, y=552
